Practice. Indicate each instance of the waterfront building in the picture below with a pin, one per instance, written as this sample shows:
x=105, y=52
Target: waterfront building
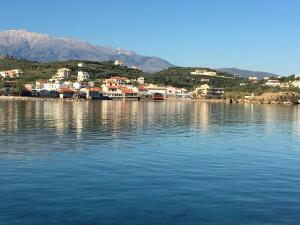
x=65, y=93
x=152, y=89
x=91, y=93
x=206, y=91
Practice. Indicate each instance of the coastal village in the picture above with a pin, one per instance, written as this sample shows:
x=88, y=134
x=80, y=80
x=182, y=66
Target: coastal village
x=63, y=85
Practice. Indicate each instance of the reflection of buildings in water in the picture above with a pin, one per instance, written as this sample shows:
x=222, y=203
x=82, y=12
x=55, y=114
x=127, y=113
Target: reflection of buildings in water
x=275, y=114
x=296, y=120
x=55, y=113
x=79, y=111
x=201, y=112
x=10, y=116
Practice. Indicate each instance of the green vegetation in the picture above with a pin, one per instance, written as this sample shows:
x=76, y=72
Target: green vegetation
x=176, y=76
x=36, y=70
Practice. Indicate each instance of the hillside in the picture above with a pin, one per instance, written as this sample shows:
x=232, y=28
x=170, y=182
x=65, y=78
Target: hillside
x=181, y=77
x=45, y=48
x=33, y=70
x=174, y=76
x=247, y=73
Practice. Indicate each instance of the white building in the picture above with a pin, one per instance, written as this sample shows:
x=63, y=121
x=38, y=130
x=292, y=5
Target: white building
x=62, y=74
x=273, y=83
x=10, y=73
x=253, y=78
x=207, y=91
x=83, y=76
x=134, y=67
x=297, y=76
x=152, y=89
x=119, y=63
x=80, y=65
x=296, y=84
x=204, y=72
x=53, y=86
x=141, y=80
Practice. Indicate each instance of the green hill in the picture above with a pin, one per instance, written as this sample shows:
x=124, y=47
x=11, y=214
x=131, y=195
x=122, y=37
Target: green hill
x=37, y=70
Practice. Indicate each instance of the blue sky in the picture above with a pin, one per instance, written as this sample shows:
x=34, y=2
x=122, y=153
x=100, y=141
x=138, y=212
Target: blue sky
x=249, y=34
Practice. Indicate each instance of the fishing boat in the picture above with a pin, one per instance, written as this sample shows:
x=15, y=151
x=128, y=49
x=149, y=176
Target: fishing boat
x=158, y=97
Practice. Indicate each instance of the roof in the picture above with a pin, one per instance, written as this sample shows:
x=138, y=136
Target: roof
x=94, y=89
x=127, y=91
x=112, y=87
x=118, y=78
x=142, y=88
x=65, y=90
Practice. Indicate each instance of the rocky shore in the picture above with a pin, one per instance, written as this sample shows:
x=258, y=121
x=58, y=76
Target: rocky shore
x=284, y=98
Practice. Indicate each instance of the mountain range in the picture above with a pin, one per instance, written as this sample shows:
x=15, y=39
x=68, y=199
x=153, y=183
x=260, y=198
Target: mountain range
x=247, y=73
x=44, y=48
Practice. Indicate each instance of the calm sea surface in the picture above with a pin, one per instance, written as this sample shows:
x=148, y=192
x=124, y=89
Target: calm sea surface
x=148, y=163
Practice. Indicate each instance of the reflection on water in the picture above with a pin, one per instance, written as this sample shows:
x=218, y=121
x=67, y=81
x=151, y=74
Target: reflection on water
x=117, y=117
x=132, y=163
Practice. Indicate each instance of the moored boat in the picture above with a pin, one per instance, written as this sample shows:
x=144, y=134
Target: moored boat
x=158, y=97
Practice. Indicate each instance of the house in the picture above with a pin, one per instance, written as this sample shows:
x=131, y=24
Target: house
x=115, y=81
x=91, y=93
x=141, y=80
x=206, y=91
x=183, y=95
x=39, y=84
x=65, y=93
x=112, y=91
x=134, y=67
x=129, y=93
x=153, y=89
x=204, y=80
x=80, y=65
x=10, y=73
x=297, y=76
x=204, y=72
x=29, y=87
x=83, y=76
x=296, y=84
x=273, y=83
x=62, y=74
x=119, y=63
x=253, y=78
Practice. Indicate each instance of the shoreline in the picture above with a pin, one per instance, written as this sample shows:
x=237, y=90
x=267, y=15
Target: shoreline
x=24, y=98
x=225, y=101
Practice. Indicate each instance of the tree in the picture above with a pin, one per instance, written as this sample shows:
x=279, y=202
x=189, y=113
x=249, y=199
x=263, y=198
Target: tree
x=20, y=87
